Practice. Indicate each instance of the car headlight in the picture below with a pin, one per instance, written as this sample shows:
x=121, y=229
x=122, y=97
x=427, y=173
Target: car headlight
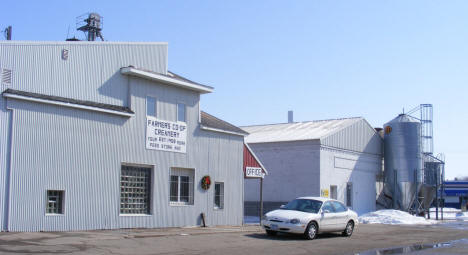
x=294, y=221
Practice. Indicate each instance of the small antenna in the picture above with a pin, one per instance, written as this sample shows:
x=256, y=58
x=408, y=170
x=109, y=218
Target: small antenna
x=7, y=33
x=68, y=32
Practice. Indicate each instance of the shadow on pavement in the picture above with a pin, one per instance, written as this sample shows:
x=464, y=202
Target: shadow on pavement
x=291, y=237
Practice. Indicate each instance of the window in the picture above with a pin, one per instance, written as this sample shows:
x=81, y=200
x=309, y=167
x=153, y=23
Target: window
x=151, y=106
x=55, y=202
x=181, y=186
x=333, y=192
x=181, y=112
x=339, y=207
x=328, y=206
x=219, y=195
x=135, y=190
x=303, y=205
x=349, y=194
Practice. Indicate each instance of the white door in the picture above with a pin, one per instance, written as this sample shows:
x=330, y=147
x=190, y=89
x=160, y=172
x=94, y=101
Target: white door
x=341, y=218
x=327, y=218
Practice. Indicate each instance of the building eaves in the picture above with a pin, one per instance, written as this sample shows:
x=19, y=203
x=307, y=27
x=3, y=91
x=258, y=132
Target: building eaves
x=211, y=123
x=169, y=78
x=296, y=131
x=67, y=102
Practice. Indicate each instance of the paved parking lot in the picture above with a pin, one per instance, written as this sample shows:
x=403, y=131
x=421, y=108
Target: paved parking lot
x=235, y=240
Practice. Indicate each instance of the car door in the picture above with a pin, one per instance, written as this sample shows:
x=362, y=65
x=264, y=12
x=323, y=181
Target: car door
x=327, y=217
x=341, y=215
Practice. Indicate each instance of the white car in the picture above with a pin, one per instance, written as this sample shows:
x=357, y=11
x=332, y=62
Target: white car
x=310, y=216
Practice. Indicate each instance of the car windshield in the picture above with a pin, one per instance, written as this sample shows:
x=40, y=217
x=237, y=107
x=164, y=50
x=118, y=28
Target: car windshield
x=303, y=205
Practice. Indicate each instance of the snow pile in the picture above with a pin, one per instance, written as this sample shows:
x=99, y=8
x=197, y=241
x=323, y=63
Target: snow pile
x=393, y=217
x=463, y=216
x=450, y=214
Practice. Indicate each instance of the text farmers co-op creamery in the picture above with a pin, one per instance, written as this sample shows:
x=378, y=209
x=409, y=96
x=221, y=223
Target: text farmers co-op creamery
x=165, y=135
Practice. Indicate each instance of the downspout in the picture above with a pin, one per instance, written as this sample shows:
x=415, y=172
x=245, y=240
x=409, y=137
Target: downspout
x=129, y=95
x=6, y=206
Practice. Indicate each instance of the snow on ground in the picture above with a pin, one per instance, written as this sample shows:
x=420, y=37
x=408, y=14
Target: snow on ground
x=393, y=217
x=450, y=214
x=462, y=216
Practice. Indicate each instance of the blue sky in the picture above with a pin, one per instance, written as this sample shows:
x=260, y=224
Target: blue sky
x=322, y=59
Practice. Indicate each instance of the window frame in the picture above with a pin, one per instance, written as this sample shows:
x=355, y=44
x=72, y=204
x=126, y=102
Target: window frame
x=176, y=171
x=349, y=195
x=61, y=210
x=335, y=188
x=328, y=203
x=155, y=105
x=221, y=195
x=177, y=112
x=149, y=190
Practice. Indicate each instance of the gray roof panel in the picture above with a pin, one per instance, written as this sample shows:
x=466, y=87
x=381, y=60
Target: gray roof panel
x=211, y=121
x=117, y=108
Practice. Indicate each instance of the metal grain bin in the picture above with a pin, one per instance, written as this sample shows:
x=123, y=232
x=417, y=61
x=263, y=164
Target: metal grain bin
x=403, y=163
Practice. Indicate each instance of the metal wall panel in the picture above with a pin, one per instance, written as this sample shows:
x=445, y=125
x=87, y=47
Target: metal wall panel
x=339, y=167
x=357, y=137
x=4, y=124
x=293, y=170
x=81, y=152
x=91, y=71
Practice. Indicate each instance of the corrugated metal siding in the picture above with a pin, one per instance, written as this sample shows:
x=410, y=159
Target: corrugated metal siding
x=297, y=131
x=358, y=137
x=82, y=152
x=249, y=159
x=90, y=73
x=293, y=170
x=4, y=122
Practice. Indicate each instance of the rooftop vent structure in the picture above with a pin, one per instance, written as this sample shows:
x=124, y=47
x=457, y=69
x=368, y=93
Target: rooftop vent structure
x=91, y=25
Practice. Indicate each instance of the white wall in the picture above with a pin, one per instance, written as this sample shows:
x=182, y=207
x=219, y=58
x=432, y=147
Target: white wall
x=293, y=171
x=340, y=167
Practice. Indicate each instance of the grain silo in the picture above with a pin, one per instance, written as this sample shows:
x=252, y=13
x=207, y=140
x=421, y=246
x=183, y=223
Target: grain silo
x=403, y=162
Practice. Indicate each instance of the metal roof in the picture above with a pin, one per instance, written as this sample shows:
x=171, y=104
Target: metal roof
x=15, y=42
x=68, y=102
x=297, y=131
x=169, y=78
x=210, y=122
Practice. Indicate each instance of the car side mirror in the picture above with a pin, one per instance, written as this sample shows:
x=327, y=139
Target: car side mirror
x=325, y=211
x=282, y=206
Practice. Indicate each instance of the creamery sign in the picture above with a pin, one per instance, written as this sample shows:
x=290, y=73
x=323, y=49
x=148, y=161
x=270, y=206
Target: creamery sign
x=165, y=135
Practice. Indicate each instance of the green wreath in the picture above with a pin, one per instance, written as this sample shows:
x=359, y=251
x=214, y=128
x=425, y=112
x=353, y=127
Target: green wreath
x=206, y=182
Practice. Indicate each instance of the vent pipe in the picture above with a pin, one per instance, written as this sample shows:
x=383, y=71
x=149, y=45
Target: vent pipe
x=290, y=117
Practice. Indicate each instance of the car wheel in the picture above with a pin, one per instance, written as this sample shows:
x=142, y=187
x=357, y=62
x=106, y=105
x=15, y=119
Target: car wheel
x=311, y=231
x=271, y=233
x=349, y=229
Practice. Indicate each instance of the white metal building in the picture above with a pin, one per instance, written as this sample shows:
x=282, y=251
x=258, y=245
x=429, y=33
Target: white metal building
x=333, y=158
x=100, y=135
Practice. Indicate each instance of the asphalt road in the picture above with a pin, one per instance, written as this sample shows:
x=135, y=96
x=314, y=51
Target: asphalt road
x=238, y=240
